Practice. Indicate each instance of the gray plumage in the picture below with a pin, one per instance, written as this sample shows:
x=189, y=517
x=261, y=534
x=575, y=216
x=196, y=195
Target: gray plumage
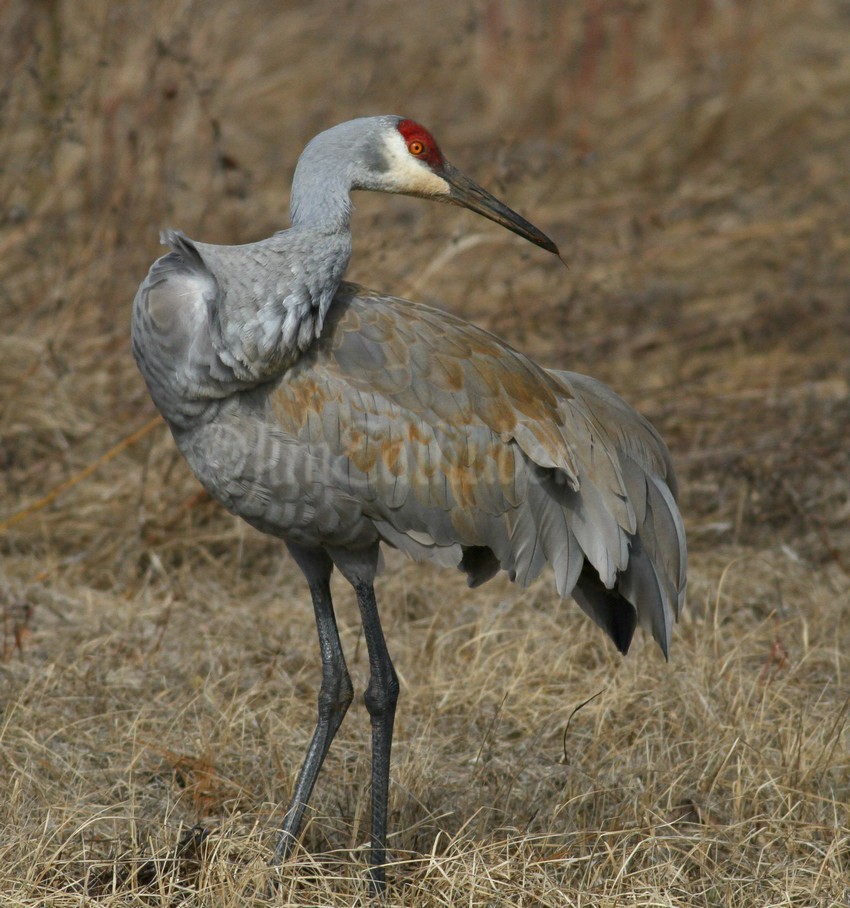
x=337, y=420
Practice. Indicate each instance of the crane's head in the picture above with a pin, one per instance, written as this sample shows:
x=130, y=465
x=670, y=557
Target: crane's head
x=389, y=154
x=409, y=161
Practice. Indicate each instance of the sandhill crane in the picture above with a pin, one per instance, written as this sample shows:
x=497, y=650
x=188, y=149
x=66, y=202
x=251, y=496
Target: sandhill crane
x=338, y=420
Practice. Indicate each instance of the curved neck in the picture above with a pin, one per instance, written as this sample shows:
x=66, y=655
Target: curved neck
x=321, y=187
x=320, y=200
x=344, y=157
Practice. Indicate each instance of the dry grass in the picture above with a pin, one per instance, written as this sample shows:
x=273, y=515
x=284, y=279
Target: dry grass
x=158, y=658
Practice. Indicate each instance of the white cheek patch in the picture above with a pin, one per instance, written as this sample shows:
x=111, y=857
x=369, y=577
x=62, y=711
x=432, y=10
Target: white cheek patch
x=406, y=174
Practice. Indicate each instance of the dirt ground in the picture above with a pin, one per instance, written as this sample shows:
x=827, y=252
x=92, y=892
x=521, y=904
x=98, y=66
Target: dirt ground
x=158, y=664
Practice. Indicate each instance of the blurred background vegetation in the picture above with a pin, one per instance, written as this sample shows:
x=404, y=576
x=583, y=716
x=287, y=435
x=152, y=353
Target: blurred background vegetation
x=690, y=158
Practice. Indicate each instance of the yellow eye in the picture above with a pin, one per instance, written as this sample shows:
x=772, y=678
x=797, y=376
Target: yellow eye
x=416, y=148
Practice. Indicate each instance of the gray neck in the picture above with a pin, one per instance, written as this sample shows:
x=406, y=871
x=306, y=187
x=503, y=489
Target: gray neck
x=320, y=198
x=345, y=157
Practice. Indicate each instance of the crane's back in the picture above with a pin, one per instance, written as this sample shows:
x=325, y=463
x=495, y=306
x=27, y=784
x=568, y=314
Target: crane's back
x=406, y=425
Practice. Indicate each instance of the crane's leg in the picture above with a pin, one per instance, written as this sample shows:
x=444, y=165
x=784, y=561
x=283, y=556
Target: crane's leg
x=380, y=697
x=334, y=696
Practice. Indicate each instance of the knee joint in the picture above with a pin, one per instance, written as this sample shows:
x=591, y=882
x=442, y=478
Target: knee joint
x=336, y=694
x=381, y=695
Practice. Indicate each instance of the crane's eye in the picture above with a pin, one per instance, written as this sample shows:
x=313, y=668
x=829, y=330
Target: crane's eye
x=416, y=148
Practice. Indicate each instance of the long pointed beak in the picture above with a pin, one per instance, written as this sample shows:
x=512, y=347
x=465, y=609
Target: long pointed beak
x=468, y=194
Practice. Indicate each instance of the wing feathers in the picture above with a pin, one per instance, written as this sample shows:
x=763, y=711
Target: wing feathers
x=461, y=451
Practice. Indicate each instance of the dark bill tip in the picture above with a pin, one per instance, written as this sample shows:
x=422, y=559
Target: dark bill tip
x=468, y=194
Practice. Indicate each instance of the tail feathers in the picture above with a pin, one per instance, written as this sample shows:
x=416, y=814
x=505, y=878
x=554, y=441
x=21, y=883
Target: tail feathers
x=662, y=537
x=479, y=563
x=641, y=585
x=611, y=611
x=639, y=597
x=652, y=578
x=660, y=531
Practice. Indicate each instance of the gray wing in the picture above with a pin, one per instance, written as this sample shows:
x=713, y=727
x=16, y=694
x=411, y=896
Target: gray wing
x=392, y=420
x=458, y=449
x=655, y=578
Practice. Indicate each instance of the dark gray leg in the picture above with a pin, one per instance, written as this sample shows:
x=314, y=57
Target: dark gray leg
x=334, y=696
x=380, y=697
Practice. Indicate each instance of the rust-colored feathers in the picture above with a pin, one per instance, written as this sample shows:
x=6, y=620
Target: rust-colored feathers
x=406, y=424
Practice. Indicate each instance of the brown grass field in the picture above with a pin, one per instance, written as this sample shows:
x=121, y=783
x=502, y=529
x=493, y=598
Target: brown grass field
x=158, y=663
